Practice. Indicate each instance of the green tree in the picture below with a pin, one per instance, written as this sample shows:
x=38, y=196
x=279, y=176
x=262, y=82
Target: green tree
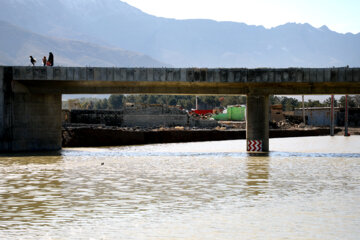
x=289, y=104
x=88, y=105
x=232, y=100
x=115, y=101
x=327, y=102
x=105, y=104
x=313, y=103
x=144, y=98
x=97, y=105
x=130, y=98
x=153, y=99
x=357, y=100
x=74, y=104
x=210, y=101
x=274, y=100
x=173, y=102
x=186, y=103
x=351, y=101
x=101, y=104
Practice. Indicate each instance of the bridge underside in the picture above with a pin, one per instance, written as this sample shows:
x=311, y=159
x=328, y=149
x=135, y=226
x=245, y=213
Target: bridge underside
x=184, y=88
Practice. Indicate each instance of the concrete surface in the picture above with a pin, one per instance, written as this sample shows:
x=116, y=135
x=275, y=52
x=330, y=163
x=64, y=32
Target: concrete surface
x=72, y=80
x=257, y=115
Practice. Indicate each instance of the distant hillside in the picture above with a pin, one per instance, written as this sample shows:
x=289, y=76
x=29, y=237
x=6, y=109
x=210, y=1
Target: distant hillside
x=17, y=44
x=184, y=43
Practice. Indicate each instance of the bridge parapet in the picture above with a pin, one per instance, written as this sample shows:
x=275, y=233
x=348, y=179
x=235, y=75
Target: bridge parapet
x=219, y=75
x=200, y=81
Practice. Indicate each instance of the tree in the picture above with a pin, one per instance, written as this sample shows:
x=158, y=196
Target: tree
x=274, y=100
x=144, y=98
x=315, y=103
x=357, y=100
x=115, y=101
x=104, y=104
x=101, y=104
x=130, y=98
x=98, y=105
x=73, y=104
x=233, y=100
x=153, y=99
x=289, y=104
x=351, y=101
x=88, y=105
x=209, y=101
x=327, y=102
x=173, y=102
x=186, y=103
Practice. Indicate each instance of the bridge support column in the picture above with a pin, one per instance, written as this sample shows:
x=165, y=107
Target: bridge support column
x=257, y=123
x=28, y=121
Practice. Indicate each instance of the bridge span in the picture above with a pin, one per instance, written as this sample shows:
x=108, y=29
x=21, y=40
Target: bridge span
x=30, y=97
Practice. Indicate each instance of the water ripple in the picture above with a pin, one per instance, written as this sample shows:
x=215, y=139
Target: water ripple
x=209, y=190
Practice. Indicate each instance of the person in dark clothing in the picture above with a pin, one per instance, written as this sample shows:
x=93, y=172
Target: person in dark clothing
x=51, y=59
x=32, y=60
x=44, y=61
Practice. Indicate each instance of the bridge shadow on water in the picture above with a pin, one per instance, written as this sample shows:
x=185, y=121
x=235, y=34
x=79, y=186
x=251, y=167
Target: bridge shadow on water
x=125, y=153
x=121, y=152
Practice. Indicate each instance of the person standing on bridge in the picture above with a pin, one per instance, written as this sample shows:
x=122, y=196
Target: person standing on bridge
x=50, y=59
x=32, y=60
x=44, y=61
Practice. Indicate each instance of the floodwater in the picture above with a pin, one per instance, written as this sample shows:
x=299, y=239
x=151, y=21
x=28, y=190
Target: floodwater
x=306, y=188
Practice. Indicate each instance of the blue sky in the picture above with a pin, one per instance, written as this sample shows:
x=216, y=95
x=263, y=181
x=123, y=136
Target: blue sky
x=339, y=15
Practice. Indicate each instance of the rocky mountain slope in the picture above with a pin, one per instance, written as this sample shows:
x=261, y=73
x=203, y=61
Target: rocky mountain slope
x=184, y=43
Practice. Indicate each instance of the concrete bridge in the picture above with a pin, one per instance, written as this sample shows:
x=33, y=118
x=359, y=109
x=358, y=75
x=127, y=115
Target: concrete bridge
x=30, y=97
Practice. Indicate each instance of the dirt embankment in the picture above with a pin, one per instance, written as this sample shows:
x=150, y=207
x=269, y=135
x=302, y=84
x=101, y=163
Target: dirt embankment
x=91, y=136
x=351, y=131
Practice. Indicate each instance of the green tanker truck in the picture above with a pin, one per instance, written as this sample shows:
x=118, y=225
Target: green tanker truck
x=233, y=113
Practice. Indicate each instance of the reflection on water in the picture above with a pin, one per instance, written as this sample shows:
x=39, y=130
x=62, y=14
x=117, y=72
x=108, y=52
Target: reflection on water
x=306, y=188
x=257, y=175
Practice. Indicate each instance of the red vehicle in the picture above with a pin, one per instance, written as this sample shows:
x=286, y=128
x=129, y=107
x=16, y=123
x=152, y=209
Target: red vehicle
x=201, y=112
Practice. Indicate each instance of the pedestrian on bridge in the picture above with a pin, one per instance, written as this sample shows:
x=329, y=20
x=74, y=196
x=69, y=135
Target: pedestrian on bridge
x=32, y=60
x=44, y=61
x=50, y=59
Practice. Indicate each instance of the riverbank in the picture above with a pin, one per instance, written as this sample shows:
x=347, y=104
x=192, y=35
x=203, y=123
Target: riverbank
x=95, y=136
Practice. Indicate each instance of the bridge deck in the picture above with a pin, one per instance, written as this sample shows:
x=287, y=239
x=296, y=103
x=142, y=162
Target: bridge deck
x=68, y=80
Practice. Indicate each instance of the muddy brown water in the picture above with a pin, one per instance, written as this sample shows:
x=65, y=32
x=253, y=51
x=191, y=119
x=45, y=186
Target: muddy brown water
x=305, y=188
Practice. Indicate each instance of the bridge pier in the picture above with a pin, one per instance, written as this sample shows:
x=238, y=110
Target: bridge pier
x=28, y=121
x=257, y=123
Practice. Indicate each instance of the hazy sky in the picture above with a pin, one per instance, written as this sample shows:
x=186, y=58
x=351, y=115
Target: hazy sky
x=339, y=15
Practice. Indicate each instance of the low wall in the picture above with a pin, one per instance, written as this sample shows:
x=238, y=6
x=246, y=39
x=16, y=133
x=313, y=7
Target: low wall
x=95, y=137
x=135, y=117
x=149, y=121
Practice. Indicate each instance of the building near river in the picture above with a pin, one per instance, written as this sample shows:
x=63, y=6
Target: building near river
x=320, y=116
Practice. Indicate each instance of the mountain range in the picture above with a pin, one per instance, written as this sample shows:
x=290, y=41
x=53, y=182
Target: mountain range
x=17, y=44
x=113, y=33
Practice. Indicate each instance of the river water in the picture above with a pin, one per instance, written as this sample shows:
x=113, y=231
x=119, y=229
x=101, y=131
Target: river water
x=306, y=188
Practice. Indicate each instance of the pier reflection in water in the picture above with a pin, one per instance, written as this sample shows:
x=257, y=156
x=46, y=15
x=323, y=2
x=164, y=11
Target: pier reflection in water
x=306, y=188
